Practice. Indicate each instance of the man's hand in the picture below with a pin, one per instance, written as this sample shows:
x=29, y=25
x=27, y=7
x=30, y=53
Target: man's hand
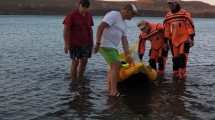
x=191, y=42
x=166, y=47
x=96, y=48
x=140, y=56
x=66, y=48
x=129, y=59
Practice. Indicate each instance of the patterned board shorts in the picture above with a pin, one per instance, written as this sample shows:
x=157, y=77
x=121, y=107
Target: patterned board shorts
x=81, y=52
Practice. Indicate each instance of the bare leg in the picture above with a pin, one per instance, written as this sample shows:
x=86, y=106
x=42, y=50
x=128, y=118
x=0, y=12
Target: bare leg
x=81, y=67
x=108, y=79
x=73, y=69
x=114, y=71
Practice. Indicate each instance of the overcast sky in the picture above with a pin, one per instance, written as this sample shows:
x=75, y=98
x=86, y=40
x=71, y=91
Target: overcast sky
x=212, y=2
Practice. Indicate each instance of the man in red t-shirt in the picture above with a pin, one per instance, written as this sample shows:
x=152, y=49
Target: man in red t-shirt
x=78, y=38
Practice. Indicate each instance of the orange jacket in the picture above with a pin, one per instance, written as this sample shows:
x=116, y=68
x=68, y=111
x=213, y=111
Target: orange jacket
x=156, y=37
x=178, y=27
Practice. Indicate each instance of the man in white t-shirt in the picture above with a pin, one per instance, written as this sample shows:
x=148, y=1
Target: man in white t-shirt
x=110, y=33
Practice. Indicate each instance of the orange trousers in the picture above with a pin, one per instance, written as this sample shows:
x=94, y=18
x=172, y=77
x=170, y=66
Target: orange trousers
x=158, y=57
x=180, y=59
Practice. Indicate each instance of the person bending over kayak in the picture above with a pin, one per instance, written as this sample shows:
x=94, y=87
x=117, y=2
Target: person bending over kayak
x=110, y=32
x=154, y=32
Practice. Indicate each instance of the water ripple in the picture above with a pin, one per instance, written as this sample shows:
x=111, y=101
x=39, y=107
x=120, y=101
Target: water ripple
x=35, y=84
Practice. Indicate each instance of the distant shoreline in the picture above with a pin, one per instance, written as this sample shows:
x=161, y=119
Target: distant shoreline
x=148, y=8
x=146, y=13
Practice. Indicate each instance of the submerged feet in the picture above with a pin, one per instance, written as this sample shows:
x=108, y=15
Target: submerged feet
x=116, y=94
x=74, y=77
x=179, y=76
x=113, y=92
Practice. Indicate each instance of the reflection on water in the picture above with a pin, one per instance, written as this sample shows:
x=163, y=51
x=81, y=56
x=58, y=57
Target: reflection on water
x=34, y=83
x=80, y=102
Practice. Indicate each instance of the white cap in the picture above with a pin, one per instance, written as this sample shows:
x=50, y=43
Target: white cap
x=131, y=7
x=134, y=8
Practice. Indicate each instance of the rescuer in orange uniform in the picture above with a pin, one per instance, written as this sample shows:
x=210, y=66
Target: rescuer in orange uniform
x=180, y=31
x=154, y=32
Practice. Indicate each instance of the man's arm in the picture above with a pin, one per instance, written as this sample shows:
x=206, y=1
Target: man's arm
x=91, y=28
x=141, y=47
x=125, y=45
x=66, y=35
x=126, y=50
x=91, y=35
x=191, y=28
x=99, y=33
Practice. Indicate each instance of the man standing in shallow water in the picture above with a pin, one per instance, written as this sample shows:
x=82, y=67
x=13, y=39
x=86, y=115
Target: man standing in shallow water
x=179, y=29
x=110, y=32
x=78, y=38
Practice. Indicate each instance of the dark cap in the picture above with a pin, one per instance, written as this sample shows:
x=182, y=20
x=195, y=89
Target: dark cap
x=84, y=3
x=173, y=1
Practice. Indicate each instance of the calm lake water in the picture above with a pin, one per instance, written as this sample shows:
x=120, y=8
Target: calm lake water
x=35, y=86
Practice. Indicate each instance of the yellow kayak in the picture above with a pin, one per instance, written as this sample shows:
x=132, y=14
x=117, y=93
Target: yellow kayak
x=139, y=67
x=127, y=71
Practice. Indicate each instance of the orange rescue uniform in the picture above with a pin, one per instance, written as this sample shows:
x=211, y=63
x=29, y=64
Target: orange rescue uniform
x=158, y=53
x=179, y=30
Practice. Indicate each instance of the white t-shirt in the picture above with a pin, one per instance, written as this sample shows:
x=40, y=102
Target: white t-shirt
x=112, y=36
